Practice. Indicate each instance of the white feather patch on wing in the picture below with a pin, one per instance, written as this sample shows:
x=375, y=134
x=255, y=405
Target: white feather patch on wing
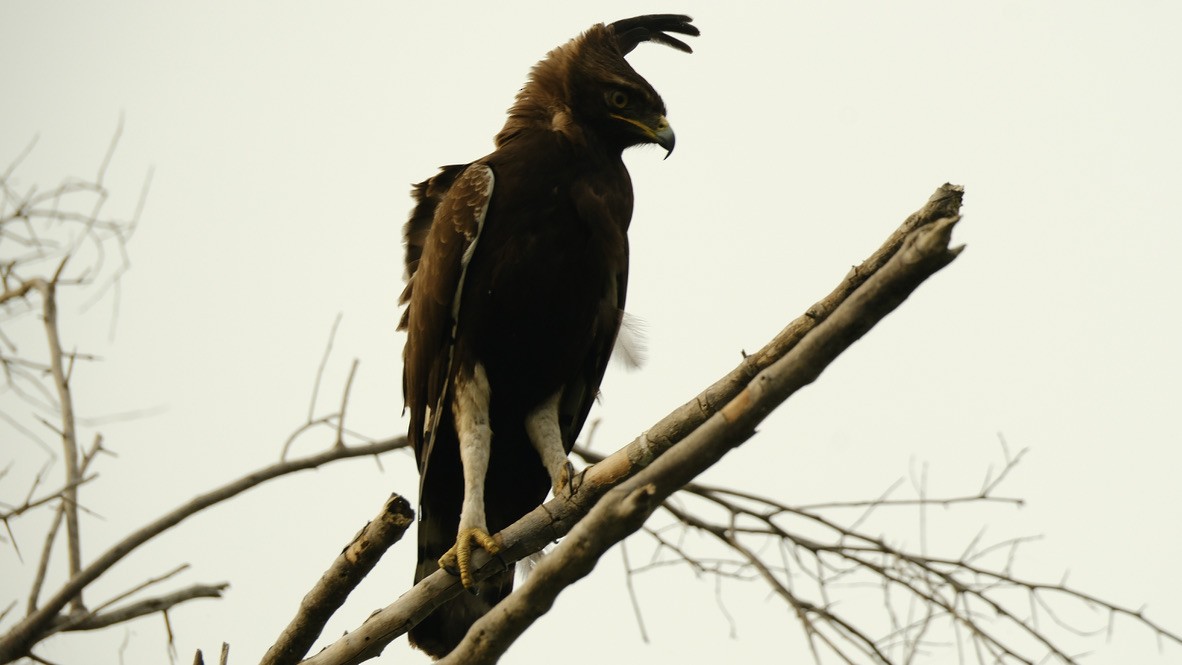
x=631, y=347
x=482, y=178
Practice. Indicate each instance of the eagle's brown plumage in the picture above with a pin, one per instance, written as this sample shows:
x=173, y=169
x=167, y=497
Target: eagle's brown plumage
x=517, y=267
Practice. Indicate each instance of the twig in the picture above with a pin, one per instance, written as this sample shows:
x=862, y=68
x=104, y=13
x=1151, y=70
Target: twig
x=37, y=503
x=171, y=641
x=142, y=608
x=628, y=572
x=16, y=162
x=102, y=170
x=345, y=403
x=69, y=622
x=51, y=533
x=332, y=335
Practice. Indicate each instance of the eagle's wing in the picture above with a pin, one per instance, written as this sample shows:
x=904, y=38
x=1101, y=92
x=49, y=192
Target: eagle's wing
x=457, y=200
x=427, y=195
x=582, y=389
x=442, y=235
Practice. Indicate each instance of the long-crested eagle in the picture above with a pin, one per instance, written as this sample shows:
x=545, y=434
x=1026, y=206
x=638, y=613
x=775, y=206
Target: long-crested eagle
x=517, y=265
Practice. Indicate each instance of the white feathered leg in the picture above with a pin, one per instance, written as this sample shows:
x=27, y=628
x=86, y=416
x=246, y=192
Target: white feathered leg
x=470, y=409
x=546, y=435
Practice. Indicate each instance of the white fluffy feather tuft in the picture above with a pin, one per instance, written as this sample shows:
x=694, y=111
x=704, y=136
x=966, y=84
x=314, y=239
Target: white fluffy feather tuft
x=631, y=347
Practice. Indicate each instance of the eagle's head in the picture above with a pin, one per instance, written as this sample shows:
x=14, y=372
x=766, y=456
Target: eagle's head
x=587, y=92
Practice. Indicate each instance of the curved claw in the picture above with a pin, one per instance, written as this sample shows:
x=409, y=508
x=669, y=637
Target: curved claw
x=459, y=557
x=567, y=482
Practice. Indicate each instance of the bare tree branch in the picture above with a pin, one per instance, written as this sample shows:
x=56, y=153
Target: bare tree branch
x=952, y=588
x=30, y=504
x=48, y=290
x=311, y=422
x=335, y=585
x=20, y=638
x=51, y=532
x=144, y=607
x=67, y=623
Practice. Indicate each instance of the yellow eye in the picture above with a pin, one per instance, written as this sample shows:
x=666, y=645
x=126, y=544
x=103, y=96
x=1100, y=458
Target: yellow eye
x=617, y=98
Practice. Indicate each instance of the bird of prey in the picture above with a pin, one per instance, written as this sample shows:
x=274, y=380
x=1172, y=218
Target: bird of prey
x=517, y=266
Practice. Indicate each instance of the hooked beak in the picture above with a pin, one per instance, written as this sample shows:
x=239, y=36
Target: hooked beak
x=663, y=135
x=657, y=131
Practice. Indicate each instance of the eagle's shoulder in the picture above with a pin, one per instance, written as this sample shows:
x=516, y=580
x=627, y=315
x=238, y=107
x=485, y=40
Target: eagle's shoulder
x=459, y=194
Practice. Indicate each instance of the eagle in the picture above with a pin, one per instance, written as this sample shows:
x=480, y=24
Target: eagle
x=516, y=270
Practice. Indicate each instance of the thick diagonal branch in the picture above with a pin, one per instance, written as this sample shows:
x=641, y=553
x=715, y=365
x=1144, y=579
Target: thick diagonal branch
x=924, y=234
x=625, y=508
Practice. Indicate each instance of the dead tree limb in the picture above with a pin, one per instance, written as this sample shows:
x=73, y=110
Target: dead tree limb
x=345, y=573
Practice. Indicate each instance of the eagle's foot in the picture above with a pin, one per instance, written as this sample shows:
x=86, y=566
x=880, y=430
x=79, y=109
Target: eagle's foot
x=459, y=557
x=566, y=481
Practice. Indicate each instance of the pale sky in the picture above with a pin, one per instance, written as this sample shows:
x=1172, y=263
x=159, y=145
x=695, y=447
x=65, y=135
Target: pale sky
x=284, y=138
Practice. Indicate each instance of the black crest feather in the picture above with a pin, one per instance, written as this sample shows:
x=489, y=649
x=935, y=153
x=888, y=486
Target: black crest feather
x=654, y=28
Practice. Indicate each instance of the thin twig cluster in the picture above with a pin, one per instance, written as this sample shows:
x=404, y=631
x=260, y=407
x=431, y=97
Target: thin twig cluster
x=54, y=242
x=822, y=559
x=55, y=248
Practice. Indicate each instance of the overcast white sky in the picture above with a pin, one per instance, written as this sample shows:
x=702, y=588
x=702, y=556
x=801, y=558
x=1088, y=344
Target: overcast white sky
x=284, y=138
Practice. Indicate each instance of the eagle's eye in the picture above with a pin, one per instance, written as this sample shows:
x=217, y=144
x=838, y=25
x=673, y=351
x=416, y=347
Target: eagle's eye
x=617, y=98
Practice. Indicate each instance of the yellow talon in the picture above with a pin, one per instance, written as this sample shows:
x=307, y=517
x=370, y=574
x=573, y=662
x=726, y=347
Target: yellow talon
x=460, y=555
